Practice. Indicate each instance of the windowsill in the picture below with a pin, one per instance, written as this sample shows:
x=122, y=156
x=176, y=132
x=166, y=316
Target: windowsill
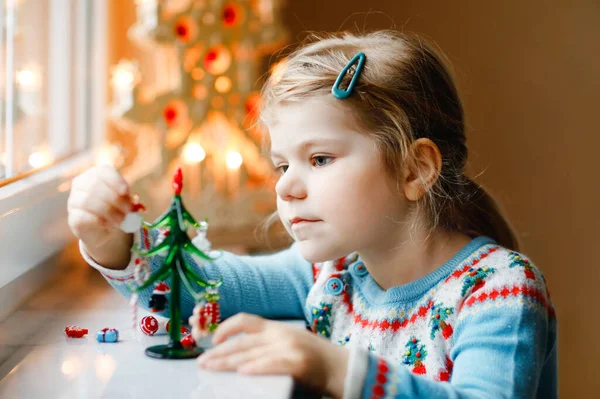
x=34, y=227
x=37, y=359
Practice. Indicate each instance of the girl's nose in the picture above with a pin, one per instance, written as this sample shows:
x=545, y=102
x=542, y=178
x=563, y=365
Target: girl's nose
x=290, y=186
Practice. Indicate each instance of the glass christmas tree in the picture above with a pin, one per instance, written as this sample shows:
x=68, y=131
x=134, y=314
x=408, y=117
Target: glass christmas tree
x=176, y=243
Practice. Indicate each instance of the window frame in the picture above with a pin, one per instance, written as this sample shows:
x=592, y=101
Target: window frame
x=33, y=205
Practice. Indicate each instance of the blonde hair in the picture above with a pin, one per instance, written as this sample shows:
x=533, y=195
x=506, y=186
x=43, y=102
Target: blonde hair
x=405, y=92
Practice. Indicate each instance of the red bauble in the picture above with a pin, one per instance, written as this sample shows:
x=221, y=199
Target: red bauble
x=183, y=329
x=188, y=342
x=149, y=325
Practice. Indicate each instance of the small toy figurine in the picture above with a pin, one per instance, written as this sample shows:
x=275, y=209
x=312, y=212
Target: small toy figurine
x=158, y=301
x=75, y=332
x=108, y=335
x=200, y=241
x=149, y=325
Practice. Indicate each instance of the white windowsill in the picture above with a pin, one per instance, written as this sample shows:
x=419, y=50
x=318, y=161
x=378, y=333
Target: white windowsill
x=33, y=224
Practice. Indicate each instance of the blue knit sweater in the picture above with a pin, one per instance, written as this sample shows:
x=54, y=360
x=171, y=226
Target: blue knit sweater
x=480, y=326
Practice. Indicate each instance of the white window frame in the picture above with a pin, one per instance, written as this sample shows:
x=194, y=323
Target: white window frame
x=33, y=209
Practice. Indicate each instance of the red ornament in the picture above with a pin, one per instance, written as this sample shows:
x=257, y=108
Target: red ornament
x=149, y=325
x=185, y=29
x=253, y=105
x=170, y=114
x=183, y=329
x=231, y=15
x=212, y=312
x=188, y=342
x=75, y=332
x=178, y=182
x=211, y=56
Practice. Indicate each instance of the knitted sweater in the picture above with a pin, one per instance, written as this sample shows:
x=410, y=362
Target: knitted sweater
x=480, y=326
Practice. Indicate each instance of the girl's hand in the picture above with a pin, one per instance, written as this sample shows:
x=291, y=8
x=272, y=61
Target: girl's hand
x=98, y=202
x=271, y=347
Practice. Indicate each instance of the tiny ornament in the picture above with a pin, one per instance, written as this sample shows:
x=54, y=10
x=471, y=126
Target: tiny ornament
x=158, y=301
x=213, y=315
x=162, y=235
x=75, y=332
x=200, y=241
x=183, y=329
x=198, y=322
x=108, y=335
x=212, y=310
x=188, y=341
x=133, y=219
x=149, y=325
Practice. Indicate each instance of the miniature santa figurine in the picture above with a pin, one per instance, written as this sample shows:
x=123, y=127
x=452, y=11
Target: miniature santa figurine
x=158, y=301
x=200, y=241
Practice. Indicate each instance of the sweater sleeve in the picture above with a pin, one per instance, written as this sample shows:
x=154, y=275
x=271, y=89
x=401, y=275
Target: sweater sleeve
x=503, y=349
x=273, y=286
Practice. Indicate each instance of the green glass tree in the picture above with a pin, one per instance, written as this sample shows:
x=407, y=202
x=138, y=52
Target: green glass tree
x=177, y=242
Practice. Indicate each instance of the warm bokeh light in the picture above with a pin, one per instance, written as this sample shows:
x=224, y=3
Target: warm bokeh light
x=193, y=153
x=109, y=155
x=223, y=84
x=234, y=160
x=105, y=367
x=40, y=159
x=71, y=366
x=125, y=74
x=29, y=78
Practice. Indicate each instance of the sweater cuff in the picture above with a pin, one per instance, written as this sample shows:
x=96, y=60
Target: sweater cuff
x=123, y=274
x=358, y=364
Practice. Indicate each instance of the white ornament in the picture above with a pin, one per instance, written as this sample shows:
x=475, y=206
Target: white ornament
x=132, y=222
x=200, y=241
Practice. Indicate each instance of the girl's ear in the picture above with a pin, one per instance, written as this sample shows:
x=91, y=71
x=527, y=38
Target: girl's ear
x=422, y=168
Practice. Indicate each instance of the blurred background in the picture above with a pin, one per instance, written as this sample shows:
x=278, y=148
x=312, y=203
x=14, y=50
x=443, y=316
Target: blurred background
x=148, y=86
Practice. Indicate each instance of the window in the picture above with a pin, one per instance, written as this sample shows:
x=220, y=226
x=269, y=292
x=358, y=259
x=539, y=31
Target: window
x=52, y=100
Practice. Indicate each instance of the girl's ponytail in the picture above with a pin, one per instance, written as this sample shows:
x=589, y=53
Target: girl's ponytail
x=479, y=214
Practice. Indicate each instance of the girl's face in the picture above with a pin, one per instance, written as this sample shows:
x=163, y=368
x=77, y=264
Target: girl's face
x=334, y=196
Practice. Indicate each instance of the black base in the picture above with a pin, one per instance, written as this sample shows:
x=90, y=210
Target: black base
x=173, y=352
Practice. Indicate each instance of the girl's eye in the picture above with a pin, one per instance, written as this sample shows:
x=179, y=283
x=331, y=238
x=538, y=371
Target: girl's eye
x=322, y=160
x=281, y=169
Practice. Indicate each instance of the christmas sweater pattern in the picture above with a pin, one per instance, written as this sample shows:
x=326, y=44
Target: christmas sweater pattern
x=417, y=333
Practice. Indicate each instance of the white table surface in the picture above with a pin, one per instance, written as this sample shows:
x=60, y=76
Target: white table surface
x=37, y=360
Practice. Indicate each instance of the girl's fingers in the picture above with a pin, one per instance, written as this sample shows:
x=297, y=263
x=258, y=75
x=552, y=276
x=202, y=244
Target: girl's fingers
x=104, y=193
x=234, y=360
x=242, y=322
x=112, y=179
x=96, y=206
x=235, y=345
x=93, y=227
x=275, y=362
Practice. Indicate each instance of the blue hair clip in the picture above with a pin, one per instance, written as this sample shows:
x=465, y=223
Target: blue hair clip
x=341, y=94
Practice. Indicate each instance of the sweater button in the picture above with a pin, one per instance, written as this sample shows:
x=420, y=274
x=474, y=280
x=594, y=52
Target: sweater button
x=334, y=286
x=359, y=269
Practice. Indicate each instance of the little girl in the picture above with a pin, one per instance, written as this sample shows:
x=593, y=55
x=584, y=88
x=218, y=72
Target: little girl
x=403, y=267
